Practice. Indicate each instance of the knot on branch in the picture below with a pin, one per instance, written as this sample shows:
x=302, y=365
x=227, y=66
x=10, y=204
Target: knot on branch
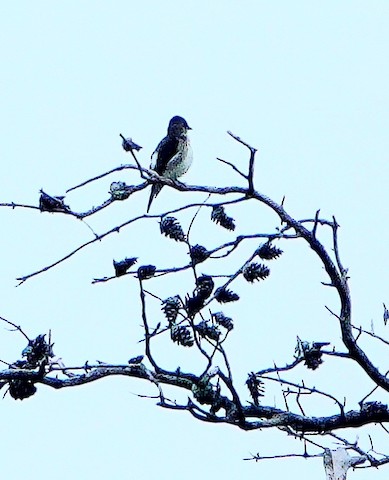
x=256, y=387
x=122, y=266
x=38, y=353
x=146, y=271
x=206, y=393
x=310, y=352
x=120, y=190
x=374, y=408
x=48, y=203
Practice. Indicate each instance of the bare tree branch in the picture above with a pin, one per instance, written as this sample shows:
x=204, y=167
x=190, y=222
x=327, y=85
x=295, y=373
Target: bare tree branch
x=213, y=394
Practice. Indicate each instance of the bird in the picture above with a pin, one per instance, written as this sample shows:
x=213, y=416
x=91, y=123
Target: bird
x=173, y=155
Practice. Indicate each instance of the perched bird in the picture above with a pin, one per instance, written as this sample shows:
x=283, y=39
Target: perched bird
x=173, y=155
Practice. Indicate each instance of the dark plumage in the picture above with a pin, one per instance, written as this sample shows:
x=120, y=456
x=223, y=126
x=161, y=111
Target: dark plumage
x=173, y=155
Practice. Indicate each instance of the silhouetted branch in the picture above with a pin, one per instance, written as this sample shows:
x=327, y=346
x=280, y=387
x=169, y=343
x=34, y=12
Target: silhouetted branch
x=213, y=395
x=17, y=327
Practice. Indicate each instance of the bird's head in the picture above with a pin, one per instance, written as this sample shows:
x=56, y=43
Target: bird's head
x=177, y=126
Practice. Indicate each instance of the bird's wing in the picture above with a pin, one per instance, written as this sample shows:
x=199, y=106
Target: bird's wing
x=164, y=152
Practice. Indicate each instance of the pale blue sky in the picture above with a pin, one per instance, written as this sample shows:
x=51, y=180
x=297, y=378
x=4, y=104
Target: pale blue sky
x=306, y=82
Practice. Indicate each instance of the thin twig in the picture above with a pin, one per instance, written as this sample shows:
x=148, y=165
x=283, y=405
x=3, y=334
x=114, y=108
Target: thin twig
x=17, y=327
x=253, y=150
x=195, y=215
x=19, y=205
x=102, y=175
x=292, y=365
x=233, y=167
x=315, y=223
x=361, y=330
x=309, y=389
x=146, y=328
x=343, y=271
x=258, y=457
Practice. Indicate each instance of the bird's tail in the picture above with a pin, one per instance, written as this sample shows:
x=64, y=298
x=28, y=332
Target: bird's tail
x=155, y=189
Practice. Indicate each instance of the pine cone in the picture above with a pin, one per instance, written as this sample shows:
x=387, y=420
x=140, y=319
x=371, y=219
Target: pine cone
x=194, y=304
x=198, y=254
x=255, y=271
x=146, y=271
x=311, y=352
x=119, y=191
x=268, y=252
x=171, y=307
x=256, y=387
x=21, y=389
x=219, y=216
x=204, y=286
x=224, y=295
x=222, y=320
x=122, y=266
x=181, y=335
x=204, y=329
x=172, y=229
x=313, y=359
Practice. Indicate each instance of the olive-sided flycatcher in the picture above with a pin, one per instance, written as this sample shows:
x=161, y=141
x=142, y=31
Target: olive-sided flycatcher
x=173, y=155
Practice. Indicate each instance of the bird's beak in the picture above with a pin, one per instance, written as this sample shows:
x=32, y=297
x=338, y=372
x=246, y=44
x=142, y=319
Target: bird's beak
x=188, y=128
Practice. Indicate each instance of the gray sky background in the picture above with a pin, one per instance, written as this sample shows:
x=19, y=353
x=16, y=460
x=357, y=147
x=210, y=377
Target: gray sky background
x=305, y=82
